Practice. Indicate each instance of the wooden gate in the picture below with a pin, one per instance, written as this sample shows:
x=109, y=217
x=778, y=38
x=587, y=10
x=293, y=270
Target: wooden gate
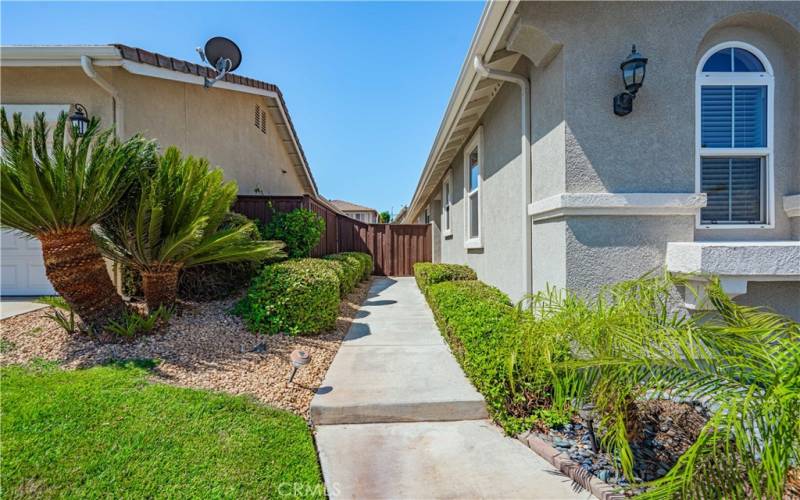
x=394, y=247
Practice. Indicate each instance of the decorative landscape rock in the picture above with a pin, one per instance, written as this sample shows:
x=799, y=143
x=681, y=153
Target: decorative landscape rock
x=205, y=347
x=668, y=428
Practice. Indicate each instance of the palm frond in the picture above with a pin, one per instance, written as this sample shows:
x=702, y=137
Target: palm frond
x=177, y=219
x=60, y=184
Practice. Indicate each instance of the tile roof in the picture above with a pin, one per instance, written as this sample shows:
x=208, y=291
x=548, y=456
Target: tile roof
x=346, y=206
x=143, y=56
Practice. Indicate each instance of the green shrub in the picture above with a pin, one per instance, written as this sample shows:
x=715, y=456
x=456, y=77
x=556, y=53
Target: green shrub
x=482, y=328
x=363, y=260
x=297, y=296
x=299, y=229
x=349, y=270
x=427, y=274
x=217, y=281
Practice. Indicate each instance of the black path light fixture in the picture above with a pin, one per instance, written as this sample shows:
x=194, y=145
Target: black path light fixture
x=79, y=118
x=633, y=70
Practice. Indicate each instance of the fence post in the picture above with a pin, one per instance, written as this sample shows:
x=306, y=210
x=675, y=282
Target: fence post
x=388, y=255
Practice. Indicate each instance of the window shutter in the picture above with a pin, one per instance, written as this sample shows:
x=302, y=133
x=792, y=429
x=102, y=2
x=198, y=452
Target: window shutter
x=717, y=113
x=746, y=189
x=263, y=122
x=734, y=116
x=750, y=116
x=733, y=187
x=257, y=121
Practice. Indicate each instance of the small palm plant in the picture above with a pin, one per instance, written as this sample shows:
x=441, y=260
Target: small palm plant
x=176, y=224
x=56, y=192
x=631, y=344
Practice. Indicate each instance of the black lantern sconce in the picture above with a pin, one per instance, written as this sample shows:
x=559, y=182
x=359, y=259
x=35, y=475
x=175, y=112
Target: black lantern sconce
x=633, y=70
x=79, y=119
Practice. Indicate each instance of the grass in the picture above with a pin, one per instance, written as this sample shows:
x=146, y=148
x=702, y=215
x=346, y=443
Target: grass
x=109, y=432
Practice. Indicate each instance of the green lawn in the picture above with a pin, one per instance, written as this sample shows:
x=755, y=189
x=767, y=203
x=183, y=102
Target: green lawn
x=108, y=432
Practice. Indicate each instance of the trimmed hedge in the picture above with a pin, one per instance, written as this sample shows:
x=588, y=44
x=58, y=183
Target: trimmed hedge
x=296, y=296
x=482, y=328
x=348, y=269
x=427, y=274
x=366, y=262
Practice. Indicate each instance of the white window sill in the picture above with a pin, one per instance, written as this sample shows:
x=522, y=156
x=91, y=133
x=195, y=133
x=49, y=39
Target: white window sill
x=473, y=244
x=735, y=226
x=447, y=233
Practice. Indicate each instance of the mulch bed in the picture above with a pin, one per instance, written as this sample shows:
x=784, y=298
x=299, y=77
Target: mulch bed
x=665, y=430
x=204, y=347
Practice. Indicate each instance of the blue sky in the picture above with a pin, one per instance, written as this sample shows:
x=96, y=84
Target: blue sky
x=366, y=83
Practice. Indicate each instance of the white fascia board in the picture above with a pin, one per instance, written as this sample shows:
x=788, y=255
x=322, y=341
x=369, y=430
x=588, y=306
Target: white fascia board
x=565, y=204
x=179, y=76
x=750, y=260
x=496, y=16
x=791, y=205
x=58, y=55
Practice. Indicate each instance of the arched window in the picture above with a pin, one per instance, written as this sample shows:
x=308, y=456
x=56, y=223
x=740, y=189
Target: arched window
x=734, y=95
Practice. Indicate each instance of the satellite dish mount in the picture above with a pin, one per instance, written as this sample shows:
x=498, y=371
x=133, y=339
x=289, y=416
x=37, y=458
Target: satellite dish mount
x=223, y=55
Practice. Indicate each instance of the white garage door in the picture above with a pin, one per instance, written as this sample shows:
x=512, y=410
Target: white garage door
x=21, y=263
x=22, y=269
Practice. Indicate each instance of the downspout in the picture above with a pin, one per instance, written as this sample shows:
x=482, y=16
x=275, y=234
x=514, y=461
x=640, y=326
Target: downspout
x=116, y=102
x=116, y=113
x=525, y=103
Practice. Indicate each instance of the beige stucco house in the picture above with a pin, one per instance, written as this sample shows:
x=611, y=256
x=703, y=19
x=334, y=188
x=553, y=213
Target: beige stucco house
x=533, y=180
x=240, y=124
x=355, y=211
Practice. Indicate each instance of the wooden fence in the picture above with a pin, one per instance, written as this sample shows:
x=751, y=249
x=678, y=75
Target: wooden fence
x=394, y=247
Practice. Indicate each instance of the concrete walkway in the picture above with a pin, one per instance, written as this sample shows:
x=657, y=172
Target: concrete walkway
x=397, y=418
x=14, y=306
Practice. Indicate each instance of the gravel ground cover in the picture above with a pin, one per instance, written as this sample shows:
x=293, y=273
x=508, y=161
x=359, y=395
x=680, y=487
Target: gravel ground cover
x=204, y=347
x=666, y=430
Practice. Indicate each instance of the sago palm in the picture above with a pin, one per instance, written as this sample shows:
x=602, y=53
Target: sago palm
x=56, y=192
x=175, y=224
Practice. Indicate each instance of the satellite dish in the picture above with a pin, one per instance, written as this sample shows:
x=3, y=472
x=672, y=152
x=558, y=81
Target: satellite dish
x=223, y=55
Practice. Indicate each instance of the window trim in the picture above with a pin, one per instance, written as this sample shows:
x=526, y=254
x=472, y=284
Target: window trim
x=734, y=78
x=447, y=204
x=476, y=141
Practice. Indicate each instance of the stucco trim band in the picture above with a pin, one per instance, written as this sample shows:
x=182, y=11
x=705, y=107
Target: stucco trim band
x=616, y=204
x=791, y=205
x=753, y=260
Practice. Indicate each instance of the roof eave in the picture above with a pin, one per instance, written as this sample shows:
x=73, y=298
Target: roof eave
x=494, y=20
x=110, y=55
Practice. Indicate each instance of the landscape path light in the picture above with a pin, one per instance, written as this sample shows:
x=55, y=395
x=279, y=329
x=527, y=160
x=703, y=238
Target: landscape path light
x=299, y=358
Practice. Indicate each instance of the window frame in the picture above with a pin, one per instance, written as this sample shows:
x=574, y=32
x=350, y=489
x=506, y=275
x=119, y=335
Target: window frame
x=475, y=142
x=447, y=204
x=737, y=79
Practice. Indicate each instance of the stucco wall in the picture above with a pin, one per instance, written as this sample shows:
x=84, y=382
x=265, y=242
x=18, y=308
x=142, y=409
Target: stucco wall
x=215, y=123
x=501, y=258
x=652, y=149
x=579, y=145
x=782, y=297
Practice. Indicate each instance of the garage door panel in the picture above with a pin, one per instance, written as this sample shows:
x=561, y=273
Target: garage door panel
x=37, y=276
x=33, y=244
x=22, y=270
x=8, y=276
x=10, y=240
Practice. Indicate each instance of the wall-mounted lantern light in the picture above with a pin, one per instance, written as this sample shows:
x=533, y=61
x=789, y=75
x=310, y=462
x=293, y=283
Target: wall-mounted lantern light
x=633, y=70
x=79, y=119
